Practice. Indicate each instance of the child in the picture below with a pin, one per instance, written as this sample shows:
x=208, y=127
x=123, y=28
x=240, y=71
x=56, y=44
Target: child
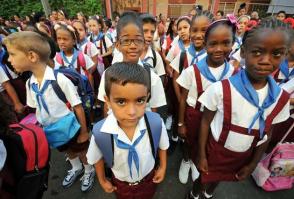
x=103, y=43
x=171, y=33
x=127, y=129
x=29, y=51
x=286, y=70
x=239, y=112
x=131, y=44
x=67, y=38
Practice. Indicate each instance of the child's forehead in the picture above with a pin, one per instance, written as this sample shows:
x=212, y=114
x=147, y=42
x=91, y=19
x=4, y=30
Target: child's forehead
x=128, y=90
x=130, y=30
x=268, y=38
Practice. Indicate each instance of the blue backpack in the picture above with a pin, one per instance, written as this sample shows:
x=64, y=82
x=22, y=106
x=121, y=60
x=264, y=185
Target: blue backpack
x=106, y=144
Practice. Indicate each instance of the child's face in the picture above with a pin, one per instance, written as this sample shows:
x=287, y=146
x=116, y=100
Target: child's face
x=64, y=40
x=242, y=24
x=128, y=103
x=174, y=27
x=18, y=59
x=130, y=43
x=281, y=16
x=94, y=26
x=198, y=29
x=264, y=53
x=81, y=30
x=219, y=44
x=149, y=30
x=183, y=30
x=291, y=50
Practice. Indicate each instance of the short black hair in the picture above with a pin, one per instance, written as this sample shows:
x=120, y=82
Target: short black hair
x=126, y=72
x=267, y=23
x=129, y=18
x=282, y=12
x=148, y=18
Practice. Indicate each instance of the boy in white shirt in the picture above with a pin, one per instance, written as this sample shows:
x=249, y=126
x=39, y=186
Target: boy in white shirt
x=65, y=130
x=129, y=139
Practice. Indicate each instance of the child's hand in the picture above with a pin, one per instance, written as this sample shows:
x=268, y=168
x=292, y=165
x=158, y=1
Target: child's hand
x=107, y=186
x=19, y=108
x=169, y=71
x=202, y=165
x=83, y=137
x=159, y=175
x=182, y=130
x=244, y=172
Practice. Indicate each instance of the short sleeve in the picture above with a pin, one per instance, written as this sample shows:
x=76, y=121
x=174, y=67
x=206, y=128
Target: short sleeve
x=101, y=90
x=157, y=92
x=108, y=42
x=93, y=50
x=69, y=90
x=283, y=115
x=159, y=65
x=93, y=154
x=30, y=101
x=175, y=63
x=212, y=97
x=3, y=76
x=185, y=80
x=164, y=140
x=170, y=54
x=89, y=62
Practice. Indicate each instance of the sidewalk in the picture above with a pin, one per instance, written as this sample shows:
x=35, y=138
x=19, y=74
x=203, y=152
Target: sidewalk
x=171, y=188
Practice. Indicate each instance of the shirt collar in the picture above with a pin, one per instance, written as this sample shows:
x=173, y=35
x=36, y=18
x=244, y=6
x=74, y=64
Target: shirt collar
x=48, y=75
x=149, y=53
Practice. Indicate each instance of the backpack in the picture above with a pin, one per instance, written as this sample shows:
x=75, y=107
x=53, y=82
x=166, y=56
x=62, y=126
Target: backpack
x=183, y=61
x=18, y=84
x=105, y=140
x=28, y=156
x=276, y=170
x=107, y=60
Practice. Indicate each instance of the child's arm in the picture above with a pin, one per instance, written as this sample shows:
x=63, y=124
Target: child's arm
x=109, y=52
x=104, y=182
x=182, y=107
x=246, y=170
x=291, y=101
x=203, y=136
x=176, y=85
x=84, y=135
x=18, y=106
x=160, y=171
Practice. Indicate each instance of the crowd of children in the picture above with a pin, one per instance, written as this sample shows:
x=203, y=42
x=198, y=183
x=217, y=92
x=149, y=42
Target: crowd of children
x=222, y=87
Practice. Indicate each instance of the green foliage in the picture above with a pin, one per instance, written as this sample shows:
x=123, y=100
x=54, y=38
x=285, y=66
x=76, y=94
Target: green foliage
x=8, y=8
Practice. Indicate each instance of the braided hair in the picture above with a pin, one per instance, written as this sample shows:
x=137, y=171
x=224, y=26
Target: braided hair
x=200, y=13
x=267, y=23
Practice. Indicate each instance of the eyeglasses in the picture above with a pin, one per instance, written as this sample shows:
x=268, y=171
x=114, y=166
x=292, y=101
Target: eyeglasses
x=127, y=42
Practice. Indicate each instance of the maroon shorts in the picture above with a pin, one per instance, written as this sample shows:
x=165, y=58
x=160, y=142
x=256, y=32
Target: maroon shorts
x=145, y=189
x=73, y=146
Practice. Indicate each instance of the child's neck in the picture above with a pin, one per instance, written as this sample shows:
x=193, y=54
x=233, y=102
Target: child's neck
x=290, y=59
x=198, y=48
x=144, y=51
x=257, y=83
x=96, y=34
x=213, y=64
x=69, y=52
x=128, y=61
x=39, y=70
x=186, y=43
x=129, y=131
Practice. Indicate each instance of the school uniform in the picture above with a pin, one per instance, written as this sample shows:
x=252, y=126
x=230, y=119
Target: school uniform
x=88, y=61
x=88, y=48
x=123, y=174
x=157, y=92
x=174, y=50
x=100, y=46
x=195, y=81
x=230, y=147
x=284, y=73
x=159, y=67
x=4, y=77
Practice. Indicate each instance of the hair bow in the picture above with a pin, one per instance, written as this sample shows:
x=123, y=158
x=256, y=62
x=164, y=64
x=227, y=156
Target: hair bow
x=232, y=19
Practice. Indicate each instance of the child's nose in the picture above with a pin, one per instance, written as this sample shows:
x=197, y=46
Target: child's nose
x=131, y=109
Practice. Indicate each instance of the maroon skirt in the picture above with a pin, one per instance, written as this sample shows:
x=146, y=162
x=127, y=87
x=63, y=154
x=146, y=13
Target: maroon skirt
x=145, y=189
x=192, y=121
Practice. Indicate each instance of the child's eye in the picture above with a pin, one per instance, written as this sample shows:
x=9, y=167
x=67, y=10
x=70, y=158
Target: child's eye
x=256, y=52
x=278, y=53
x=141, y=101
x=121, y=102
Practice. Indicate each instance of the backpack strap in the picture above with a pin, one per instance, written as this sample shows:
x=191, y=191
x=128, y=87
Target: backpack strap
x=154, y=57
x=147, y=67
x=104, y=44
x=60, y=94
x=105, y=143
x=6, y=71
x=199, y=85
x=59, y=59
x=82, y=63
x=87, y=49
x=183, y=61
x=154, y=130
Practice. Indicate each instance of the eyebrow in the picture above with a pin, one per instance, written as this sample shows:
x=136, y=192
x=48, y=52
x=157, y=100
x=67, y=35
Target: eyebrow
x=121, y=98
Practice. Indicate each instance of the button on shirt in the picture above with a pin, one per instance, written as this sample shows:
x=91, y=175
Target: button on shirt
x=120, y=167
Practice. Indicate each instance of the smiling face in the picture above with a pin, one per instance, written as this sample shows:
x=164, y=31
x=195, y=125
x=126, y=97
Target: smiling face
x=130, y=43
x=184, y=30
x=197, y=32
x=218, y=45
x=263, y=53
x=128, y=103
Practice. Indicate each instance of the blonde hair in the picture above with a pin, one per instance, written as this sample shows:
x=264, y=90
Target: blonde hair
x=26, y=41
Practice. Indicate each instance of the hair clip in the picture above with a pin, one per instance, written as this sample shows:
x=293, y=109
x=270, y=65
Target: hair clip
x=61, y=12
x=232, y=19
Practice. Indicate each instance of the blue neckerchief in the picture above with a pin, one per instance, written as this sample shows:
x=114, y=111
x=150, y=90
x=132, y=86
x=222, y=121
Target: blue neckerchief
x=99, y=37
x=204, y=70
x=194, y=53
x=2, y=54
x=82, y=43
x=284, y=68
x=241, y=82
x=133, y=155
x=73, y=60
x=39, y=95
x=181, y=45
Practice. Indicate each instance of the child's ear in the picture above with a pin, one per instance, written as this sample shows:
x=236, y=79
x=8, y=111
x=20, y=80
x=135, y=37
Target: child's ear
x=107, y=101
x=117, y=45
x=242, y=52
x=33, y=57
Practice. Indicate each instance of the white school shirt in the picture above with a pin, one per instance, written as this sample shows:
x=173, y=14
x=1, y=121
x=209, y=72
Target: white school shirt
x=159, y=67
x=97, y=44
x=175, y=40
x=4, y=77
x=282, y=76
x=173, y=52
x=120, y=167
x=242, y=115
x=88, y=60
x=57, y=108
x=187, y=80
x=157, y=91
x=289, y=87
x=175, y=64
x=3, y=154
x=117, y=56
x=92, y=51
